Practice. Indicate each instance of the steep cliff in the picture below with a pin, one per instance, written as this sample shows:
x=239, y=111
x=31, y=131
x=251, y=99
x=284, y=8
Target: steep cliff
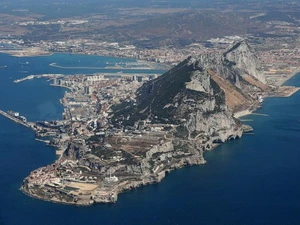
x=237, y=61
x=208, y=83
x=198, y=96
x=245, y=60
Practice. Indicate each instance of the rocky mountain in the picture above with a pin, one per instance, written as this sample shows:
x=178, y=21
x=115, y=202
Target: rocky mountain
x=200, y=95
x=194, y=104
x=174, y=119
x=244, y=60
x=206, y=84
x=238, y=72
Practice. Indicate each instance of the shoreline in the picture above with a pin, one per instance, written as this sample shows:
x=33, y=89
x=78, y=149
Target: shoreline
x=285, y=92
x=127, y=185
x=21, y=54
x=111, y=191
x=294, y=73
x=124, y=186
x=291, y=75
x=98, y=68
x=24, y=53
x=242, y=113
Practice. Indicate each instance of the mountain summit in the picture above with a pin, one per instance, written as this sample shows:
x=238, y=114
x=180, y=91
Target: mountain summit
x=200, y=94
x=210, y=83
x=238, y=72
x=244, y=59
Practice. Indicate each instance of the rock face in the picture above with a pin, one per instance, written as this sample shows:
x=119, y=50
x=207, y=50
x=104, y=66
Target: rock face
x=244, y=60
x=238, y=61
x=238, y=72
x=198, y=96
x=203, y=85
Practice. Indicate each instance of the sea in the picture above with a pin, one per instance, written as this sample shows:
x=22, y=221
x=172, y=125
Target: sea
x=250, y=181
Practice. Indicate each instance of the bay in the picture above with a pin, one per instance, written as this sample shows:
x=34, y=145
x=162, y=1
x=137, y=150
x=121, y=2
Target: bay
x=253, y=180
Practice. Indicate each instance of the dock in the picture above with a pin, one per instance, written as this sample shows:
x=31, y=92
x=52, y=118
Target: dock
x=14, y=119
x=30, y=77
x=41, y=140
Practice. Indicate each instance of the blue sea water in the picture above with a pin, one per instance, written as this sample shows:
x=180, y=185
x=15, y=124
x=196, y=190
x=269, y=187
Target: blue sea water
x=253, y=180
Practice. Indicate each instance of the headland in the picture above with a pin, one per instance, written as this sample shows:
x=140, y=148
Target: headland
x=120, y=131
x=104, y=149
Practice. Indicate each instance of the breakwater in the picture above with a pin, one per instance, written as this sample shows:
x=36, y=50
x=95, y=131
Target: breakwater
x=15, y=119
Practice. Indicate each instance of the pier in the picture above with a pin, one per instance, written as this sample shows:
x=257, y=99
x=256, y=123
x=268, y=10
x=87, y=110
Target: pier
x=14, y=119
x=41, y=140
x=30, y=77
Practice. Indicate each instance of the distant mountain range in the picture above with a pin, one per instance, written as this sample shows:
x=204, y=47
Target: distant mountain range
x=183, y=28
x=147, y=24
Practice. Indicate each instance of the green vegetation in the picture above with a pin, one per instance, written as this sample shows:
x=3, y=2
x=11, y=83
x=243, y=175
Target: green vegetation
x=125, y=112
x=155, y=95
x=156, y=98
x=103, y=153
x=181, y=132
x=96, y=138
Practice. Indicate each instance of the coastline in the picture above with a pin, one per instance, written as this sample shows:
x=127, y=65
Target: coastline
x=242, y=113
x=107, y=192
x=100, y=68
x=283, y=91
x=136, y=184
x=27, y=52
x=62, y=86
x=288, y=77
x=122, y=187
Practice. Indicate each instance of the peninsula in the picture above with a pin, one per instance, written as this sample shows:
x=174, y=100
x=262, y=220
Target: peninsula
x=122, y=133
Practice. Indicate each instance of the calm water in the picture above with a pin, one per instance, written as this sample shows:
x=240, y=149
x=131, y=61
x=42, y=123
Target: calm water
x=254, y=180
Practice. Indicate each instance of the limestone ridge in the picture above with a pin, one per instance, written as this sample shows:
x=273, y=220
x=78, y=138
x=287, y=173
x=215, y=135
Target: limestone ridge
x=238, y=72
x=184, y=89
x=245, y=60
x=238, y=61
x=200, y=94
x=169, y=124
x=189, y=96
x=208, y=83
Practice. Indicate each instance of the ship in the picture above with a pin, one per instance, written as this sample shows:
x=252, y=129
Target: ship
x=3, y=67
x=24, y=63
x=23, y=118
x=17, y=116
x=12, y=113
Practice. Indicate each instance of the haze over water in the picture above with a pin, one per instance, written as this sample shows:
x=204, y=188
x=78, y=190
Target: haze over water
x=253, y=180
